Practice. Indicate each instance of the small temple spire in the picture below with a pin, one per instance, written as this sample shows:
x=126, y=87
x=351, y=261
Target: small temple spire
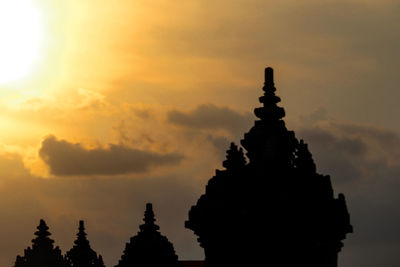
x=81, y=254
x=149, y=248
x=81, y=240
x=42, y=252
x=149, y=219
x=42, y=236
x=234, y=158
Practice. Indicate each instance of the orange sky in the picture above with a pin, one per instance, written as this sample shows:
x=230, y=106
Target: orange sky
x=168, y=84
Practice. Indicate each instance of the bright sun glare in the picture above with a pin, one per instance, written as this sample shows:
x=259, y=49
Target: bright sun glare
x=21, y=36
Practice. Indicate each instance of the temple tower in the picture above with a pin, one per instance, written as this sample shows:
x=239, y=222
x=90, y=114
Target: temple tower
x=42, y=253
x=274, y=209
x=149, y=248
x=81, y=254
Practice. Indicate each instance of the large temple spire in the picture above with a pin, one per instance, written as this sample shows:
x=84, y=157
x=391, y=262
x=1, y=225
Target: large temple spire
x=269, y=143
x=305, y=223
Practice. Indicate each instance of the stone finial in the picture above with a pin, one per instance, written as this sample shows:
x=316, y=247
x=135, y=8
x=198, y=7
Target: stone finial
x=81, y=225
x=149, y=219
x=269, y=76
x=149, y=214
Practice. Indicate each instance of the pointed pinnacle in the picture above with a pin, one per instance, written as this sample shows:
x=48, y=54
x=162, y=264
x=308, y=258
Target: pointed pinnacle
x=149, y=219
x=81, y=225
x=149, y=214
x=42, y=228
x=269, y=76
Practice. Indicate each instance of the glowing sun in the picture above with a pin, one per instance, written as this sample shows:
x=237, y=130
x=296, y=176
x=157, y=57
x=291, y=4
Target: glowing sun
x=21, y=36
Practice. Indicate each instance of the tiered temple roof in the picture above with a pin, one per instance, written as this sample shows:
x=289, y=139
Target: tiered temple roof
x=42, y=253
x=81, y=254
x=149, y=248
x=274, y=209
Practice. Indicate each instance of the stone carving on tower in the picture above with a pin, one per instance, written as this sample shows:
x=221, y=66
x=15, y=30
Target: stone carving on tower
x=275, y=209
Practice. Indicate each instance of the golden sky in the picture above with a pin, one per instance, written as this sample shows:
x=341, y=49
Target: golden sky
x=106, y=105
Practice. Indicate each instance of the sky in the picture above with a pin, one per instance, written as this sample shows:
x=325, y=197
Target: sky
x=107, y=105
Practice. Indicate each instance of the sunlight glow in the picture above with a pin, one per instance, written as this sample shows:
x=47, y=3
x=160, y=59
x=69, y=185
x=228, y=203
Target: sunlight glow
x=21, y=37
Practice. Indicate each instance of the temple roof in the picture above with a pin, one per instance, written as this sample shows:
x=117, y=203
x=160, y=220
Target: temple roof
x=81, y=254
x=42, y=253
x=149, y=248
x=276, y=196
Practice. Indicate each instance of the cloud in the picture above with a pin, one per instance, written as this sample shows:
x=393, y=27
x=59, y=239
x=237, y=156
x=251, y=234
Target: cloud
x=335, y=154
x=220, y=144
x=65, y=158
x=209, y=116
x=212, y=126
x=385, y=143
x=364, y=163
x=352, y=150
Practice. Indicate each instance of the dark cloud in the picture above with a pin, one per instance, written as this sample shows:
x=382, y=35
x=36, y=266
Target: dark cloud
x=388, y=142
x=211, y=117
x=330, y=141
x=220, y=144
x=317, y=115
x=363, y=163
x=336, y=155
x=65, y=158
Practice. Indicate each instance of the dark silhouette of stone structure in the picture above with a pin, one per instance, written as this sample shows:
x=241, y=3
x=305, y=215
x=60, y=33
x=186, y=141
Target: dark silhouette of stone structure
x=42, y=253
x=149, y=248
x=81, y=254
x=275, y=209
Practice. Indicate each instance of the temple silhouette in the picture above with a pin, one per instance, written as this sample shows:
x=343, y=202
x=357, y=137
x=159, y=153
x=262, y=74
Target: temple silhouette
x=268, y=206
x=146, y=249
x=274, y=209
x=42, y=253
x=81, y=254
x=149, y=248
